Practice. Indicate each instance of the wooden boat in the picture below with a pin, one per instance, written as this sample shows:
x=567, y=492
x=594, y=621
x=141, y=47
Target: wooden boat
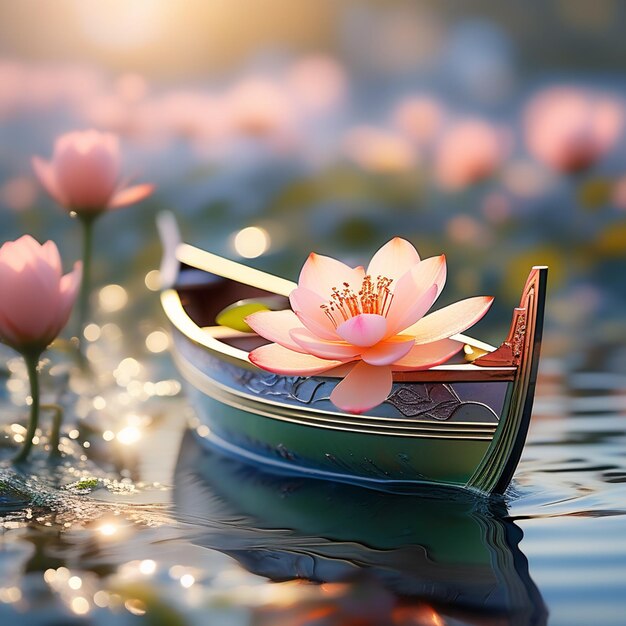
x=441, y=546
x=463, y=423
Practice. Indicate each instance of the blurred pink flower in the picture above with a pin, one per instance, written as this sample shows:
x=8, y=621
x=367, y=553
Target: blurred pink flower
x=470, y=151
x=123, y=109
x=131, y=88
x=35, y=298
x=19, y=193
x=468, y=232
x=193, y=115
x=110, y=111
x=571, y=129
x=318, y=83
x=31, y=87
x=84, y=174
x=368, y=322
x=259, y=107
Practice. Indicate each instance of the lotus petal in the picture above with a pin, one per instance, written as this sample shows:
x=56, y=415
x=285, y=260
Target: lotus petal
x=307, y=305
x=276, y=326
x=321, y=274
x=275, y=358
x=130, y=195
x=365, y=386
x=388, y=351
x=309, y=343
x=87, y=169
x=427, y=355
x=364, y=330
x=393, y=260
x=450, y=320
x=409, y=309
x=47, y=177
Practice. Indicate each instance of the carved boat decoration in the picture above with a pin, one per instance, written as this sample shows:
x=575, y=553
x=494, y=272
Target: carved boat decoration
x=463, y=423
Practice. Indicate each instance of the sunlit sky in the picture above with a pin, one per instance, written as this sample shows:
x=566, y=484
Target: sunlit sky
x=188, y=38
x=166, y=38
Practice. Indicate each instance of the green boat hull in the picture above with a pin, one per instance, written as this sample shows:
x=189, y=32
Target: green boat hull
x=340, y=454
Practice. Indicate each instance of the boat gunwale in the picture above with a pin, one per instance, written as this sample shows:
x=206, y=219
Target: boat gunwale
x=206, y=379
x=252, y=404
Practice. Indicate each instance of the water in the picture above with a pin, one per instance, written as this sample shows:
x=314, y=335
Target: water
x=180, y=534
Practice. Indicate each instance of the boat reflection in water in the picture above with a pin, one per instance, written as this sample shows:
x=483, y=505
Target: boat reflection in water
x=445, y=547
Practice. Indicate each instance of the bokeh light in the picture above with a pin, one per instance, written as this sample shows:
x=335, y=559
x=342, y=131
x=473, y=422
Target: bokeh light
x=147, y=567
x=80, y=605
x=112, y=298
x=129, y=435
x=157, y=341
x=251, y=242
x=107, y=529
x=153, y=280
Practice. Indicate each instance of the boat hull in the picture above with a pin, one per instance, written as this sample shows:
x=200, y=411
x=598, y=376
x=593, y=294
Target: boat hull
x=378, y=448
x=350, y=456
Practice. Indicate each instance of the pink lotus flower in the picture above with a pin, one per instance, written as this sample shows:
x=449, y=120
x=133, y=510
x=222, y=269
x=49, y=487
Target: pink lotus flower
x=371, y=323
x=571, y=129
x=84, y=174
x=470, y=151
x=35, y=298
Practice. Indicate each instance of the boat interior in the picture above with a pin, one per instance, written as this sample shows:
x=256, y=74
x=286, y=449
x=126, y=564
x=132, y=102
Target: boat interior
x=204, y=296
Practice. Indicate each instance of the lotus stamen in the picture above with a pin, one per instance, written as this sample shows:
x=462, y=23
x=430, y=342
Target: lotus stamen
x=373, y=298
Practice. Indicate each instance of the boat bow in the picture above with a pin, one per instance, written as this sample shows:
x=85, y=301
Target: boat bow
x=520, y=349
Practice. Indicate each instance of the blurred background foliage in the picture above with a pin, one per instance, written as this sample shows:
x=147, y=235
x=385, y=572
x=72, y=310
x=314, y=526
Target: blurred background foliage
x=492, y=132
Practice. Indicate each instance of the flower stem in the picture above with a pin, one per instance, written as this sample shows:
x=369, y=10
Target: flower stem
x=55, y=433
x=32, y=361
x=87, y=222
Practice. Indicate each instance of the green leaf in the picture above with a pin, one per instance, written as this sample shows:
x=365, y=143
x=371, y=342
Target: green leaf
x=234, y=316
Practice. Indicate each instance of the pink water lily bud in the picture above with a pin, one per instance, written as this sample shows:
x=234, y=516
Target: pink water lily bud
x=372, y=322
x=35, y=298
x=84, y=174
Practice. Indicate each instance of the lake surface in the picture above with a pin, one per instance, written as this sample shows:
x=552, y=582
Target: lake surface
x=146, y=521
